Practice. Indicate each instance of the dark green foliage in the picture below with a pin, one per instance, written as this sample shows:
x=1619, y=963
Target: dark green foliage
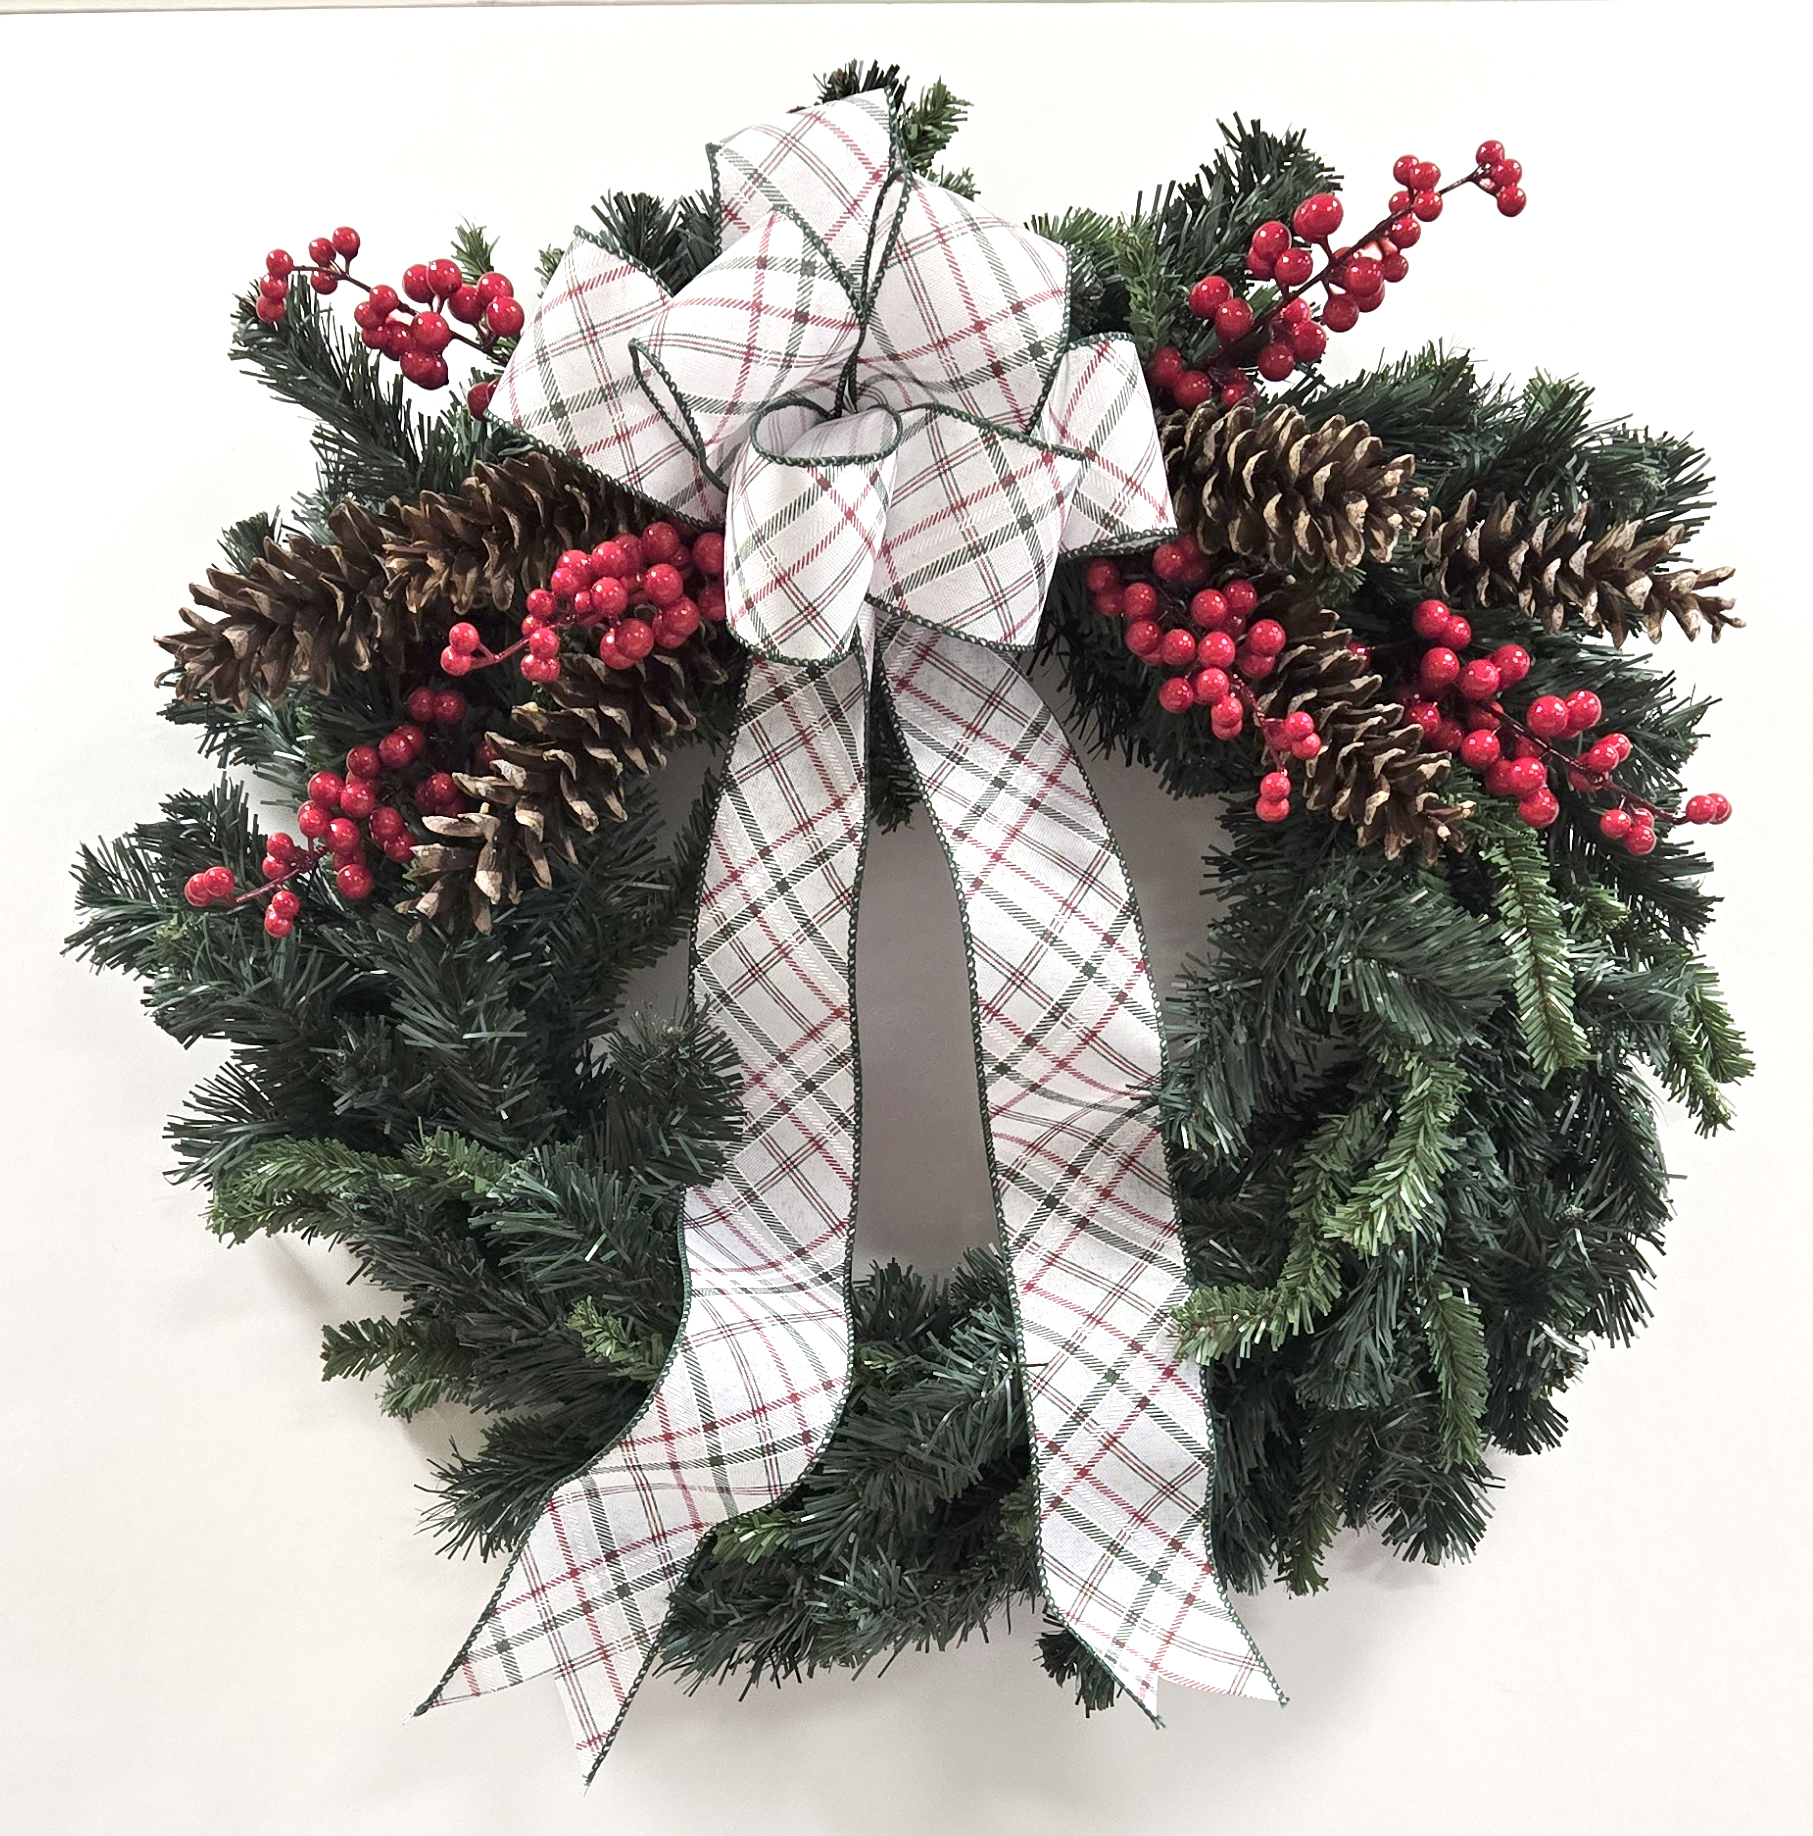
x=1412, y=1106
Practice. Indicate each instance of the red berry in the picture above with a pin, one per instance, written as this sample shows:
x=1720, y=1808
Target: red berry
x=1175, y=694
x=1169, y=560
x=663, y=584
x=1406, y=232
x=323, y=281
x=1167, y=366
x=1308, y=341
x=321, y=250
x=1236, y=389
x=324, y=788
x=1640, y=840
x=395, y=333
x=1177, y=648
x=1215, y=649
x=504, y=316
x=1480, y=749
x=1293, y=267
x=1210, y=686
x=268, y=310
x=312, y=820
x=274, y=867
x=346, y=242
x=1143, y=638
x=1513, y=663
x=660, y=542
x=1233, y=320
x=1112, y=603
x=219, y=882
x=1721, y=807
x=284, y=903
x=1227, y=716
x=463, y=637
x=354, y=881
x=1430, y=620
x=1510, y=204
x=1426, y=176
x=1439, y=668
x=1276, y=361
x=465, y=305
x=1260, y=267
x=711, y=602
x=478, y=399
x=1266, y=637
x=1139, y=599
x=1479, y=680
x=1271, y=239
x=1498, y=779
x=386, y=823
x=1254, y=666
x=1361, y=275
x=1526, y=776
x=1427, y=205
x=544, y=641
x=1547, y=716
x=428, y=331
x=1394, y=267
x=1100, y=575
x=435, y=792
x=708, y=552
x=1297, y=725
x=1403, y=168
x=1341, y=314
x=449, y=708
x=445, y=276
x=1307, y=747
x=1209, y=609
x=1268, y=809
x=1506, y=172
x=399, y=848
x=1614, y=825
x=1584, y=710
x=1242, y=597
x=1459, y=633
x=675, y=624
x=278, y=264
x=278, y=927
x=1275, y=785
x=418, y=283
x=540, y=669
x=1699, y=809
x=1540, y=808
x=1317, y=218
x=455, y=662
x=343, y=835
x=492, y=284
x=1192, y=389
x=635, y=638
x=420, y=704
x=272, y=289
x=1490, y=152
x=358, y=798
x=1208, y=293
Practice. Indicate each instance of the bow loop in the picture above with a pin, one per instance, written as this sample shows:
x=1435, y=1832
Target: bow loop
x=808, y=503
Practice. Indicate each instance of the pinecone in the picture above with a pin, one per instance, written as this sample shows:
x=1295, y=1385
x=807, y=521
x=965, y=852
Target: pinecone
x=1274, y=489
x=306, y=610
x=1374, y=769
x=501, y=532
x=557, y=774
x=1552, y=569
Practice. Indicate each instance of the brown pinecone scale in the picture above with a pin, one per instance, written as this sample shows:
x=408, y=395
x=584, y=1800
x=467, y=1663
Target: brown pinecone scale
x=305, y=611
x=1374, y=770
x=1555, y=571
x=1275, y=489
x=557, y=775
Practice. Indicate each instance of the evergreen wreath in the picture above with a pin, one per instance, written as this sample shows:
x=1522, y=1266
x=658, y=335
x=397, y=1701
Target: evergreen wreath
x=1410, y=1076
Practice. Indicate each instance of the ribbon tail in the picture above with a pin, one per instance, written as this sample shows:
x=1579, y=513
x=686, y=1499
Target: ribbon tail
x=759, y=1370
x=1066, y=1036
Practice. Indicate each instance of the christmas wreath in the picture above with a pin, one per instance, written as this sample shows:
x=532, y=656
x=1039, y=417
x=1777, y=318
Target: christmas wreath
x=1407, y=1107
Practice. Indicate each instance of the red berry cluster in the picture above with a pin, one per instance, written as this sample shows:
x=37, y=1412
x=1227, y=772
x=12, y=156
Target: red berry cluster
x=415, y=337
x=1212, y=648
x=342, y=813
x=1455, y=700
x=1271, y=338
x=641, y=592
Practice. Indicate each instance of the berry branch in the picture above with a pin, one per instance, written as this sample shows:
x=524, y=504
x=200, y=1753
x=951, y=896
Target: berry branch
x=1287, y=333
x=414, y=337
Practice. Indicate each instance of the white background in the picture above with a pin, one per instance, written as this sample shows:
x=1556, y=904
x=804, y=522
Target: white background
x=218, y=1606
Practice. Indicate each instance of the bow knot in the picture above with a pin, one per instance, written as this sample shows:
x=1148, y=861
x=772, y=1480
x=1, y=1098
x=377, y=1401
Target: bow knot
x=871, y=387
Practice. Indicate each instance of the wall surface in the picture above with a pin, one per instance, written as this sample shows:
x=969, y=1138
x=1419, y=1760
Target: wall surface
x=219, y=1607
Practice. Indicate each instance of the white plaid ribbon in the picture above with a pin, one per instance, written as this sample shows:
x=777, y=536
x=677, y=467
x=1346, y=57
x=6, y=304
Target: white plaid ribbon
x=873, y=388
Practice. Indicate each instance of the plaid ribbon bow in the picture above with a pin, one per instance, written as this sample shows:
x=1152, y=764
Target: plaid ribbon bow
x=874, y=388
